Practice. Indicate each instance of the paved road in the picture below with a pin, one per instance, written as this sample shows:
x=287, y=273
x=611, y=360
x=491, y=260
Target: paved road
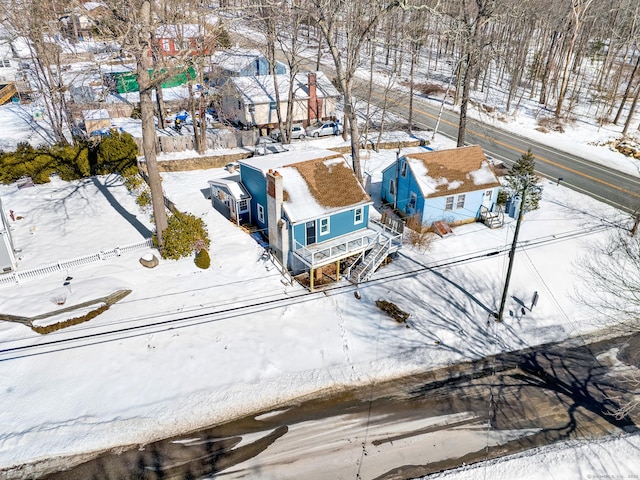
x=402, y=429
x=608, y=185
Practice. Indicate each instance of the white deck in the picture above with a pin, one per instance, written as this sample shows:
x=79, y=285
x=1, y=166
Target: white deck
x=324, y=253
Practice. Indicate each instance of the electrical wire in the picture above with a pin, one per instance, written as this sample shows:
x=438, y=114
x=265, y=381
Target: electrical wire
x=201, y=315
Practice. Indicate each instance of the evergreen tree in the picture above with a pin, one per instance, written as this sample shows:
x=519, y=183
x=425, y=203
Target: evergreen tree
x=522, y=176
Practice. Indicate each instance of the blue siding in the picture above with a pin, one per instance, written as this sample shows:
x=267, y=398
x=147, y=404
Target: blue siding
x=341, y=223
x=256, y=184
x=388, y=174
x=260, y=66
x=406, y=186
x=434, y=208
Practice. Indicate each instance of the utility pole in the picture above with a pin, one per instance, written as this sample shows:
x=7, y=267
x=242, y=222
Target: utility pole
x=512, y=252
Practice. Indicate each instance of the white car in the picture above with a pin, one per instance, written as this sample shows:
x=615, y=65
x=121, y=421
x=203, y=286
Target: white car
x=325, y=128
x=297, y=132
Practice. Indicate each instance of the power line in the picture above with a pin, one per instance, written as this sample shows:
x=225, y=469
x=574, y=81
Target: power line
x=210, y=314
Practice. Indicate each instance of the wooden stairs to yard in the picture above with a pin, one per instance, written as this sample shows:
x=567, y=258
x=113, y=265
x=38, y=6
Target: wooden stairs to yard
x=491, y=219
x=7, y=92
x=370, y=262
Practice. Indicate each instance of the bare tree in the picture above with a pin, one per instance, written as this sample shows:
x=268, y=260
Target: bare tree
x=136, y=25
x=38, y=23
x=346, y=27
x=579, y=10
x=612, y=271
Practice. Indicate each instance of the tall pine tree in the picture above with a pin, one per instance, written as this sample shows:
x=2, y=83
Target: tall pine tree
x=521, y=176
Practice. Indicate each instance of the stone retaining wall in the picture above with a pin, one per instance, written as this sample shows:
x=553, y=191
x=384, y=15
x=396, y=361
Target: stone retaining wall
x=219, y=161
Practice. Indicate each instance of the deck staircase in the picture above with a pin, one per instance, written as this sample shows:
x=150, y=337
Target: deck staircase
x=370, y=261
x=491, y=219
x=7, y=92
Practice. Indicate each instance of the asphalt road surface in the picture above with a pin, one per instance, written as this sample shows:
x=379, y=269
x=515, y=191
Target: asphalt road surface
x=402, y=429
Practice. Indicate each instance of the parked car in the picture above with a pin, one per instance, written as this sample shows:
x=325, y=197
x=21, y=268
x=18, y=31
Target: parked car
x=297, y=132
x=325, y=128
x=267, y=145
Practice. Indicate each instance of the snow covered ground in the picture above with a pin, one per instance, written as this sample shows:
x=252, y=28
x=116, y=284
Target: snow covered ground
x=610, y=458
x=235, y=353
x=171, y=377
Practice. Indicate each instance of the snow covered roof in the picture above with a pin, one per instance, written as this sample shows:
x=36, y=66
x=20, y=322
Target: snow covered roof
x=452, y=171
x=235, y=59
x=233, y=185
x=261, y=89
x=316, y=183
x=21, y=46
x=187, y=30
x=94, y=5
x=99, y=114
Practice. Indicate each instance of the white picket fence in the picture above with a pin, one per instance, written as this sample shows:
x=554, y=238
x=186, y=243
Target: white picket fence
x=20, y=276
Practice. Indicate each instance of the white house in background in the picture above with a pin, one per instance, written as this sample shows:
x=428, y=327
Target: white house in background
x=7, y=256
x=240, y=62
x=251, y=101
x=9, y=64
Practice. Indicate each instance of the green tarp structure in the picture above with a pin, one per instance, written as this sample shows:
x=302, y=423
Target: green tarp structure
x=127, y=81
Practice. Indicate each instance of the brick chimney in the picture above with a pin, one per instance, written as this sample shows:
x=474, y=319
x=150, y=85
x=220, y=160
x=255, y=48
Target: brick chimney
x=278, y=235
x=312, y=115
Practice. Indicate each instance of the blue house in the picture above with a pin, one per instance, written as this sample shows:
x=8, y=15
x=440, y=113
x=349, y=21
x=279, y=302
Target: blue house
x=455, y=186
x=315, y=214
x=240, y=62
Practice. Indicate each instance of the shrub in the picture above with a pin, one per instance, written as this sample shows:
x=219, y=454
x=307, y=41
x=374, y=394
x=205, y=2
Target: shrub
x=202, y=259
x=132, y=182
x=144, y=198
x=418, y=234
x=26, y=161
x=117, y=154
x=430, y=89
x=114, y=154
x=502, y=197
x=181, y=235
x=71, y=162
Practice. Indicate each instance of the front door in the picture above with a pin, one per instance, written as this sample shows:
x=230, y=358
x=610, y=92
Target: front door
x=487, y=199
x=311, y=232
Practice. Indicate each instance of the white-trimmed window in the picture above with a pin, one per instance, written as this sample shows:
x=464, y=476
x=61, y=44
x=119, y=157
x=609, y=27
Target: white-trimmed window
x=488, y=194
x=403, y=170
x=358, y=215
x=324, y=226
x=460, y=203
x=413, y=200
x=260, y=213
x=166, y=45
x=448, y=204
x=243, y=206
x=252, y=107
x=392, y=188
